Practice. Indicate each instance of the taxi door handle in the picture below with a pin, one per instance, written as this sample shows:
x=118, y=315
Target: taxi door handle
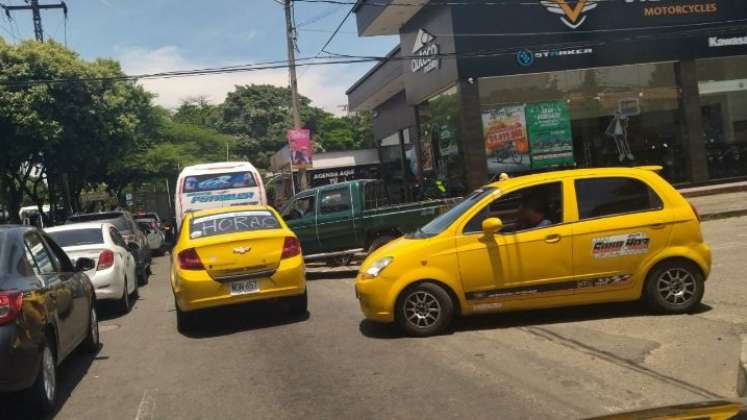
x=551, y=239
x=657, y=226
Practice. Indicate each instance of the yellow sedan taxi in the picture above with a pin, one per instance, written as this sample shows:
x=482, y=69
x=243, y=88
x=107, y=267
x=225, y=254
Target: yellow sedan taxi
x=234, y=255
x=545, y=240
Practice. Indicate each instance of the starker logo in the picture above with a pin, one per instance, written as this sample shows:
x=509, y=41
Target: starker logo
x=572, y=16
x=426, y=50
x=526, y=58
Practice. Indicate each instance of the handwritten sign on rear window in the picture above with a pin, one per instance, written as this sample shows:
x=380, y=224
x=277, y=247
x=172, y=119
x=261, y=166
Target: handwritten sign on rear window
x=238, y=221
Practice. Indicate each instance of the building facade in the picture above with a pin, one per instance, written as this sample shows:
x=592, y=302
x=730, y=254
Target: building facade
x=477, y=89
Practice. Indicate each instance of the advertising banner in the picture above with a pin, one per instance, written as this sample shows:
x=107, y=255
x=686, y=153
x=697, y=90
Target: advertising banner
x=299, y=146
x=506, y=140
x=549, y=129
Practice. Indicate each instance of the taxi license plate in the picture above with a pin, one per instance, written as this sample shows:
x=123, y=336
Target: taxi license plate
x=244, y=287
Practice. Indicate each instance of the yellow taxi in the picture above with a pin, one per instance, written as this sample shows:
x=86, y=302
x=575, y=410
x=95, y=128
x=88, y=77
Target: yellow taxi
x=545, y=240
x=234, y=255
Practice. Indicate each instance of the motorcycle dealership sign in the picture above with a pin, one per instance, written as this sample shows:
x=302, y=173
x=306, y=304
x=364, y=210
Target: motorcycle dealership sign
x=549, y=129
x=506, y=140
x=425, y=51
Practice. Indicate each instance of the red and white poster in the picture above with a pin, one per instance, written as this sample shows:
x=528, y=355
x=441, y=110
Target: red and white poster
x=299, y=146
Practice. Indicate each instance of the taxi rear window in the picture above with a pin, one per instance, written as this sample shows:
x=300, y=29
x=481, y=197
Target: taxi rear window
x=235, y=221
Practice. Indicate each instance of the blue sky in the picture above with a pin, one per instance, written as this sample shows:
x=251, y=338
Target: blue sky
x=159, y=35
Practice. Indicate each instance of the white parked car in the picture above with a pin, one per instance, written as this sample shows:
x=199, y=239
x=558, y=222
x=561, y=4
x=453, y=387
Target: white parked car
x=155, y=236
x=115, y=275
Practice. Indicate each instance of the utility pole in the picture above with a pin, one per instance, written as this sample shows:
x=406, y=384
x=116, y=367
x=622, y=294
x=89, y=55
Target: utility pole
x=36, y=8
x=290, y=33
x=291, y=38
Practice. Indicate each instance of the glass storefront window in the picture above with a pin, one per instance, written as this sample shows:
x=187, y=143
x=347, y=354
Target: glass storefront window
x=440, y=146
x=399, y=184
x=609, y=116
x=722, y=83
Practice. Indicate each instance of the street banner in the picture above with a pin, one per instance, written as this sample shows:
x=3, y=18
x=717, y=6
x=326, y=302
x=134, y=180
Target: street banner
x=550, y=139
x=506, y=140
x=299, y=146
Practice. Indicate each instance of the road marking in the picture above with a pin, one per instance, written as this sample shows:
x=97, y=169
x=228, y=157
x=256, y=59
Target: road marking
x=147, y=407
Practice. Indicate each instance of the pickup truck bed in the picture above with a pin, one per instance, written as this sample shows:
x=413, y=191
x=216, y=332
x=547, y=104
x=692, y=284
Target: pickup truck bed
x=345, y=218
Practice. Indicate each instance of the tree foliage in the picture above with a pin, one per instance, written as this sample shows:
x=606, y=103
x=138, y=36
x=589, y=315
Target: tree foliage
x=260, y=115
x=105, y=133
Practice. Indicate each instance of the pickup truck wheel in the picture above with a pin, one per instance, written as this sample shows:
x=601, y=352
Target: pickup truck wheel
x=379, y=242
x=339, y=261
x=425, y=309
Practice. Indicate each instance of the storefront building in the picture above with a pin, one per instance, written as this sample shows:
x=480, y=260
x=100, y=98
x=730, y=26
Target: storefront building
x=474, y=90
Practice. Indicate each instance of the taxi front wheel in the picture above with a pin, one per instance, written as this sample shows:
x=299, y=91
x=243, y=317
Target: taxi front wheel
x=424, y=309
x=674, y=287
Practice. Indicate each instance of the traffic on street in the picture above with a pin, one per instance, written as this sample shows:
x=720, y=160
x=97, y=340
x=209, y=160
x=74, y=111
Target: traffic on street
x=332, y=363
x=373, y=209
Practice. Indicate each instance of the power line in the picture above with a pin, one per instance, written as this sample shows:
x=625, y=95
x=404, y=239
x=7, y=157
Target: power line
x=351, y=59
x=337, y=29
x=434, y=3
x=318, y=17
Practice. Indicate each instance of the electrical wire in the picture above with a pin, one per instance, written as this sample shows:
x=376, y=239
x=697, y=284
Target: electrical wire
x=173, y=74
x=337, y=29
x=351, y=59
x=316, y=18
x=434, y=3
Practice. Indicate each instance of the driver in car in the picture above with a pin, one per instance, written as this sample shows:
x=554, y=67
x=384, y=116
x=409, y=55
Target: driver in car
x=533, y=213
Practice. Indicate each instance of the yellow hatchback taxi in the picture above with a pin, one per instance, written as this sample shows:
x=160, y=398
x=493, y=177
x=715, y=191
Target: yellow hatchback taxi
x=235, y=255
x=546, y=240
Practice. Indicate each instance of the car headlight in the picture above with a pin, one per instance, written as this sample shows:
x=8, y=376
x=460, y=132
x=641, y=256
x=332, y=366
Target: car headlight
x=374, y=270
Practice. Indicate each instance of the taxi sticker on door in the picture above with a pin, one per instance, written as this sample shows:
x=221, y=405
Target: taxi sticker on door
x=619, y=245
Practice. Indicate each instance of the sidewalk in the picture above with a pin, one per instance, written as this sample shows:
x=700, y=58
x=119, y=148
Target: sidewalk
x=720, y=206
x=718, y=201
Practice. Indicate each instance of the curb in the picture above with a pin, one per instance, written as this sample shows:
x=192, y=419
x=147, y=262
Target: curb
x=742, y=368
x=723, y=215
x=687, y=193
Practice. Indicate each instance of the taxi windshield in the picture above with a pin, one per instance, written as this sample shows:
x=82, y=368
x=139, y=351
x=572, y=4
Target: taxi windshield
x=440, y=223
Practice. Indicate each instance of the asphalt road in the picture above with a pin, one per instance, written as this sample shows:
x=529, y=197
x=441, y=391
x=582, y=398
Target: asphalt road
x=255, y=362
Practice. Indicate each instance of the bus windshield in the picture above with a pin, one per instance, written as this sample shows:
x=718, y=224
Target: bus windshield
x=219, y=181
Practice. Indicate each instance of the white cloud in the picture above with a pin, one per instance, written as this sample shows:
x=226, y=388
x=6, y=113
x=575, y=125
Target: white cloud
x=324, y=85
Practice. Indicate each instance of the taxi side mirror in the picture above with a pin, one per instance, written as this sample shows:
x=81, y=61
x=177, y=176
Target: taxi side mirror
x=492, y=225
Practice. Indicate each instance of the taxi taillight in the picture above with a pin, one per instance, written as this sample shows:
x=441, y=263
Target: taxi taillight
x=189, y=260
x=291, y=247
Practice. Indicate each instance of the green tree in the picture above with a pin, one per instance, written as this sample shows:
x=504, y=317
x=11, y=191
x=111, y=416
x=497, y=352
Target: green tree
x=198, y=111
x=74, y=129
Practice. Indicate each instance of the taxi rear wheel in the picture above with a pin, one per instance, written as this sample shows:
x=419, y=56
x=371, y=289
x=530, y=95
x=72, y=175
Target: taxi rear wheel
x=424, y=309
x=184, y=320
x=298, y=305
x=674, y=287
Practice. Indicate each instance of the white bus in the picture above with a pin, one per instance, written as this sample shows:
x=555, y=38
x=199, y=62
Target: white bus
x=214, y=185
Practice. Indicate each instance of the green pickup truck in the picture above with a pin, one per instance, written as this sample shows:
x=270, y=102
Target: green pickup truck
x=336, y=221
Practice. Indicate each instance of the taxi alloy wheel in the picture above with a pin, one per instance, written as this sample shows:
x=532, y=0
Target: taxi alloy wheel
x=425, y=309
x=674, y=287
